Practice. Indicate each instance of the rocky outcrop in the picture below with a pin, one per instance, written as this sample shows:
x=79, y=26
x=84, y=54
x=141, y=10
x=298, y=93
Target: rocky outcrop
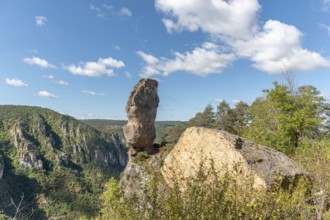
x=28, y=153
x=2, y=165
x=141, y=111
x=225, y=152
x=140, y=171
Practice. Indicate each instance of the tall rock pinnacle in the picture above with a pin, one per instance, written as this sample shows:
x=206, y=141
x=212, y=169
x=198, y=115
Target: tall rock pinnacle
x=141, y=109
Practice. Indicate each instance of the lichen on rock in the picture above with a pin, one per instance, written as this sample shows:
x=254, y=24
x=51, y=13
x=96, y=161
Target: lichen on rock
x=222, y=151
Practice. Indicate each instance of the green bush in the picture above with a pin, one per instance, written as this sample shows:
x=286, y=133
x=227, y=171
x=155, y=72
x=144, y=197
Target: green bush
x=207, y=196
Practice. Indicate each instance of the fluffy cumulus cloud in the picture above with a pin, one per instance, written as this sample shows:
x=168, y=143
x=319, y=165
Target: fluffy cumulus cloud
x=93, y=93
x=38, y=62
x=201, y=61
x=234, y=18
x=277, y=48
x=40, y=20
x=273, y=46
x=46, y=94
x=15, y=82
x=104, y=66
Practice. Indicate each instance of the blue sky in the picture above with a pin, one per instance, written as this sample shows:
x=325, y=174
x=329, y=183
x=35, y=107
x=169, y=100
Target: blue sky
x=82, y=58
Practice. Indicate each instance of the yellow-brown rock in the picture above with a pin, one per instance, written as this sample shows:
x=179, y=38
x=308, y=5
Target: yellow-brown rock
x=225, y=152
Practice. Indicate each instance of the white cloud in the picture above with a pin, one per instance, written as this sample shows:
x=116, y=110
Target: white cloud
x=96, y=69
x=49, y=77
x=217, y=101
x=235, y=18
x=126, y=12
x=325, y=5
x=278, y=48
x=93, y=93
x=149, y=59
x=39, y=62
x=234, y=24
x=116, y=47
x=98, y=10
x=40, y=20
x=325, y=27
x=32, y=51
x=201, y=61
x=103, y=10
x=61, y=82
x=128, y=74
x=108, y=7
x=94, y=8
x=15, y=82
x=236, y=101
x=46, y=94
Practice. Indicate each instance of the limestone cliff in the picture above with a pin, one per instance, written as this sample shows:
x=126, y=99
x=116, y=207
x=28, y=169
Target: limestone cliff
x=44, y=139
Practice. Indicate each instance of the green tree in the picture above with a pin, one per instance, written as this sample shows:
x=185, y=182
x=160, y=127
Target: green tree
x=232, y=120
x=282, y=118
x=203, y=119
x=239, y=118
x=222, y=121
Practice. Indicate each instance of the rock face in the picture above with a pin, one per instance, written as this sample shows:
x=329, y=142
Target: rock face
x=225, y=151
x=28, y=153
x=2, y=166
x=138, y=174
x=141, y=111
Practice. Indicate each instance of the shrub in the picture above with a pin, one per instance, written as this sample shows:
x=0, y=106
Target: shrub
x=225, y=197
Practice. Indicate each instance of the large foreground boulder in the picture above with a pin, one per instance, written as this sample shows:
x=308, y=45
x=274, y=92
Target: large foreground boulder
x=202, y=148
x=141, y=111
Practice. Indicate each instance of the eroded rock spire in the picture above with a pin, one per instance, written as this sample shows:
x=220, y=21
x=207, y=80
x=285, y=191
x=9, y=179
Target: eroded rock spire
x=141, y=109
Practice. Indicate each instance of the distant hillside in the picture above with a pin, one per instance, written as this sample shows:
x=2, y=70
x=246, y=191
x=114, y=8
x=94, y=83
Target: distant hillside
x=56, y=164
x=115, y=126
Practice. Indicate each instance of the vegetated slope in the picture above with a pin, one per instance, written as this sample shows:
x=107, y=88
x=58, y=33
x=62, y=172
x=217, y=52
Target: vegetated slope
x=106, y=125
x=54, y=163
